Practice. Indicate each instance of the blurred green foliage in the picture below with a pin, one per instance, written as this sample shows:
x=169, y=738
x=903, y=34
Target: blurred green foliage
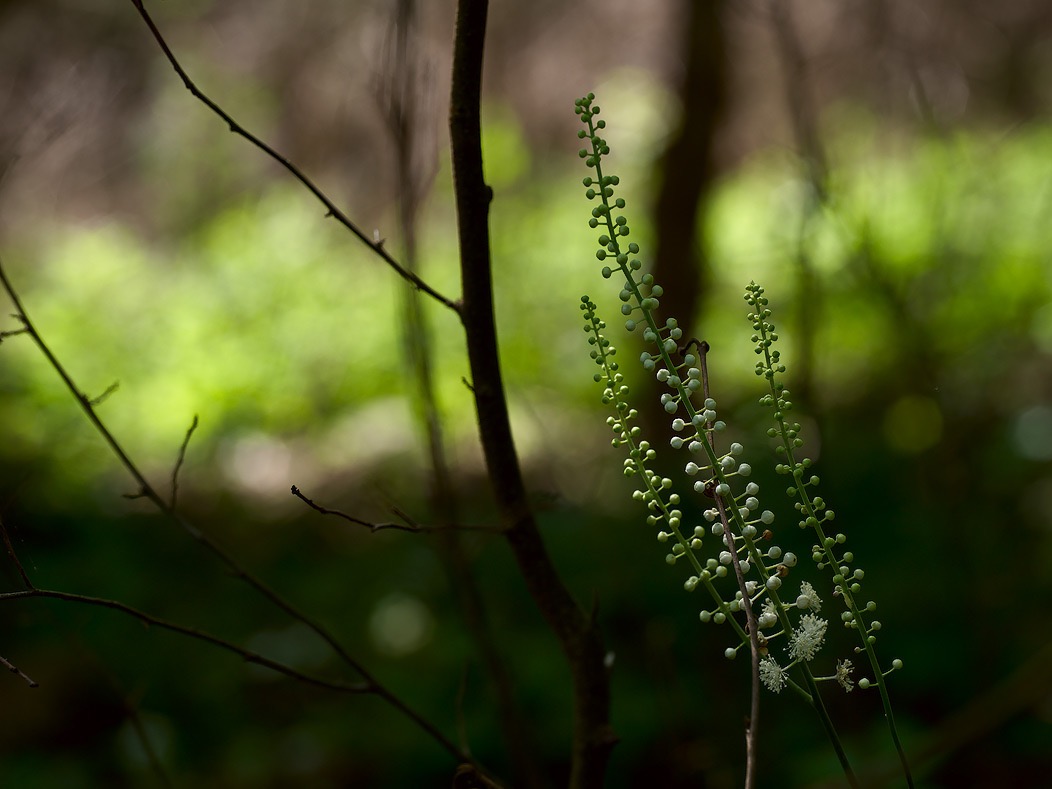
x=932, y=377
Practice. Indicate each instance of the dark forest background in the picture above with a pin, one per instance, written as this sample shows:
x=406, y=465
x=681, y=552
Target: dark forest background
x=883, y=168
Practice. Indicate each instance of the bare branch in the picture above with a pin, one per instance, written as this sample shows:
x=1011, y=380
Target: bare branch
x=409, y=525
x=371, y=526
x=330, y=206
x=11, y=333
x=199, y=635
x=179, y=463
x=753, y=625
x=146, y=490
x=102, y=398
x=14, y=556
x=145, y=741
x=577, y=632
x=5, y=663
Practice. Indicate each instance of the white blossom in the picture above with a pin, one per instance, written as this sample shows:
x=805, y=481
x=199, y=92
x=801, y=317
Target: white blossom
x=772, y=675
x=808, y=637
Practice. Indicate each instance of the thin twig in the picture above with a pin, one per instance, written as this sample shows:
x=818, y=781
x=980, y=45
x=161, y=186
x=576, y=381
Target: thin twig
x=146, y=490
x=14, y=556
x=750, y=615
x=137, y=723
x=5, y=663
x=179, y=463
x=32, y=591
x=410, y=525
x=198, y=635
x=358, y=521
x=330, y=206
x=102, y=398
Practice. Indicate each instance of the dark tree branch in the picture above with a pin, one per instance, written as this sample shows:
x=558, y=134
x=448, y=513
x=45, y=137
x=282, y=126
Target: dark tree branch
x=131, y=709
x=179, y=463
x=358, y=521
x=410, y=525
x=577, y=632
x=798, y=99
x=330, y=206
x=146, y=490
x=5, y=663
x=102, y=398
x=402, y=93
x=248, y=655
x=14, y=556
x=804, y=118
x=198, y=635
x=686, y=168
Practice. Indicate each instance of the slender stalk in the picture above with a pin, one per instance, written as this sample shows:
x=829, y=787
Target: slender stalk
x=402, y=97
x=815, y=512
x=577, y=632
x=189, y=632
x=750, y=615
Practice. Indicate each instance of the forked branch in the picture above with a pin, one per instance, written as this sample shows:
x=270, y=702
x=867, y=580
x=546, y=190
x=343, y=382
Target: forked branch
x=147, y=491
x=331, y=209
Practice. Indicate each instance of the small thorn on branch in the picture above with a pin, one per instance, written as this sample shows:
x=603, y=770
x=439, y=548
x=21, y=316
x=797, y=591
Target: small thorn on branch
x=16, y=670
x=94, y=401
x=371, y=526
x=14, y=556
x=179, y=464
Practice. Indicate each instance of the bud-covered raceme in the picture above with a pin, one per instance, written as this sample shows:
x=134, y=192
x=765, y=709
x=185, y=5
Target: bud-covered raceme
x=741, y=571
x=738, y=521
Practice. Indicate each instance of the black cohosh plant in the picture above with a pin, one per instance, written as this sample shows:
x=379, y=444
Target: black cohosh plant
x=744, y=575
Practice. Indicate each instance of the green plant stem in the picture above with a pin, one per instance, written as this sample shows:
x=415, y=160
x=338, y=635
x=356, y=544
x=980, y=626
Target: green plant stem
x=638, y=466
x=827, y=723
x=815, y=518
x=717, y=472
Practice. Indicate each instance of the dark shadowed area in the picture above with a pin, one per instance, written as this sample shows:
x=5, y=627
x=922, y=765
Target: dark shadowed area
x=883, y=168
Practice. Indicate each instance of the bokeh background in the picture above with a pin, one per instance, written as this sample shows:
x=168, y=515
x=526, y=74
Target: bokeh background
x=883, y=168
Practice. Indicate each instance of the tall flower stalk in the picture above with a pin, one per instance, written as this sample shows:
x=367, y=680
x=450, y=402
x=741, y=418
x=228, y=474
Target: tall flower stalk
x=743, y=549
x=828, y=550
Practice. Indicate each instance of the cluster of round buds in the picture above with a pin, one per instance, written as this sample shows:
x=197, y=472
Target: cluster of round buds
x=654, y=495
x=616, y=391
x=639, y=294
x=828, y=552
x=701, y=422
x=847, y=583
x=765, y=336
x=584, y=108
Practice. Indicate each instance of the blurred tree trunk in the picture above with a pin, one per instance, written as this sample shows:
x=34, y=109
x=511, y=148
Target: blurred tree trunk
x=686, y=167
x=686, y=170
